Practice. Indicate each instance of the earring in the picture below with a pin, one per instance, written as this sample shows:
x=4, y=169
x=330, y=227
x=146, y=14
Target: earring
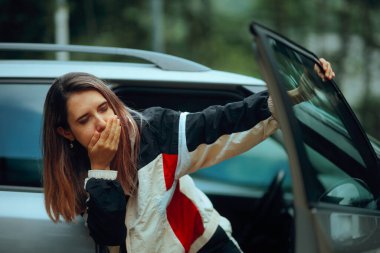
x=71, y=145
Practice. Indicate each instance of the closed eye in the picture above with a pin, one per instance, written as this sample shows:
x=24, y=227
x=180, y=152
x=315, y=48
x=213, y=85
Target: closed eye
x=83, y=120
x=103, y=107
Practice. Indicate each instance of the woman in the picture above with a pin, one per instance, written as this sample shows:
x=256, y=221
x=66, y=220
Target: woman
x=128, y=172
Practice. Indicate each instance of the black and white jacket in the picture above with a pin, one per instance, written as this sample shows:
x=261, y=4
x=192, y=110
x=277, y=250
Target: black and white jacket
x=169, y=213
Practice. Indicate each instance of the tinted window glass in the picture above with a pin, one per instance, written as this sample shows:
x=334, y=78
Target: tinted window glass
x=330, y=146
x=20, y=130
x=253, y=169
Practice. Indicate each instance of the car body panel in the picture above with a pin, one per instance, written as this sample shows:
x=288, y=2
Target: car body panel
x=29, y=229
x=21, y=103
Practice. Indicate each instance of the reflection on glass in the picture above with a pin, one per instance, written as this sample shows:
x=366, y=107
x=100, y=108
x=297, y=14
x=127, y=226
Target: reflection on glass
x=346, y=228
x=20, y=151
x=253, y=169
x=328, y=143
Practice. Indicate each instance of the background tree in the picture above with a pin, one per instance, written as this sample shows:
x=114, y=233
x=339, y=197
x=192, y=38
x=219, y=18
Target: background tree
x=215, y=33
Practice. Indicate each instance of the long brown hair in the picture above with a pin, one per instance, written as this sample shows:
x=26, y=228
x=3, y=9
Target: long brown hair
x=65, y=168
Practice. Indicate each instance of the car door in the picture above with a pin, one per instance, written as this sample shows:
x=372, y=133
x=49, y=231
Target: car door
x=335, y=171
x=24, y=223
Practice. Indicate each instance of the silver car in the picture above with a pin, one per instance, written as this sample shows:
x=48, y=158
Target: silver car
x=311, y=187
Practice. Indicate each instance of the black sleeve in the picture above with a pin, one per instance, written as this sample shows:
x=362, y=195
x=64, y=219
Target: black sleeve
x=208, y=125
x=163, y=124
x=106, y=209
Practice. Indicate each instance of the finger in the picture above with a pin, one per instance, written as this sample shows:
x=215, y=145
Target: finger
x=116, y=136
x=94, y=139
x=328, y=70
x=328, y=73
x=106, y=132
x=331, y=73
x=113, y=128
x=327, y=67
x=109, y=136
x=324, y=63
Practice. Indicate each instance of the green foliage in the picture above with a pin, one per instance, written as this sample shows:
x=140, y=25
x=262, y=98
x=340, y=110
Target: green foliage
x=110, y=23
x=369, y=114
x=212, y=32
x=25, y=21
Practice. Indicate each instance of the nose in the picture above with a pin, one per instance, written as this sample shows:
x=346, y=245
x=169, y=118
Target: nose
x=100, y=123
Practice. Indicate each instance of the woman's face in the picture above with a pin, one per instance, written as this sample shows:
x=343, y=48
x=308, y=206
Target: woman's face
x=87, y=111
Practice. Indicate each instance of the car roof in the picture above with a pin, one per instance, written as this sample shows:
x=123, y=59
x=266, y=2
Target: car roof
x=118, y=71
x=160, y=68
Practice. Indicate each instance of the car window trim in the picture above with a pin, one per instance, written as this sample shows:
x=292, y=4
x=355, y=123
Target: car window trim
x=13, y=188
x=355, y=129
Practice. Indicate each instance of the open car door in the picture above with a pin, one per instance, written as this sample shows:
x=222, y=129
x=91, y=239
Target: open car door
x=335, y=172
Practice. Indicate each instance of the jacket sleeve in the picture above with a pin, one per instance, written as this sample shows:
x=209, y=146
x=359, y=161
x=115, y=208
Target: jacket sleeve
x=106, y=208
x=221, y=132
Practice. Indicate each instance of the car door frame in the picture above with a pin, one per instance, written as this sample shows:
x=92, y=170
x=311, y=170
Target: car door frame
x=306, y=229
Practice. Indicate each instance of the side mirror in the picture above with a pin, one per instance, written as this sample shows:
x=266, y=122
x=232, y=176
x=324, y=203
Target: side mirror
x=348, y=227
x=350, y=192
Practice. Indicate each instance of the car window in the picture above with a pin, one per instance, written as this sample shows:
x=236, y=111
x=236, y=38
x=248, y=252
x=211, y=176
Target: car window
x=254, y=168
x=21, y=108
x=331, y=148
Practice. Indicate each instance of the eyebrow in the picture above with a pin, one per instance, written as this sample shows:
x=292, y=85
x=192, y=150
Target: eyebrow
x=85, y=115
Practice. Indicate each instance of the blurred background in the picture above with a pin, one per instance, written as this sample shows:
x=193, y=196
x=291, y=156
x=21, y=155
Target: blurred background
x=215, y=33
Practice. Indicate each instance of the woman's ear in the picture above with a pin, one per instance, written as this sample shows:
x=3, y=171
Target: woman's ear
x=66, y=133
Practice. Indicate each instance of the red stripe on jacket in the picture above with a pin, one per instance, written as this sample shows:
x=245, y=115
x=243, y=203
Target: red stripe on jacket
x=183, y=216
